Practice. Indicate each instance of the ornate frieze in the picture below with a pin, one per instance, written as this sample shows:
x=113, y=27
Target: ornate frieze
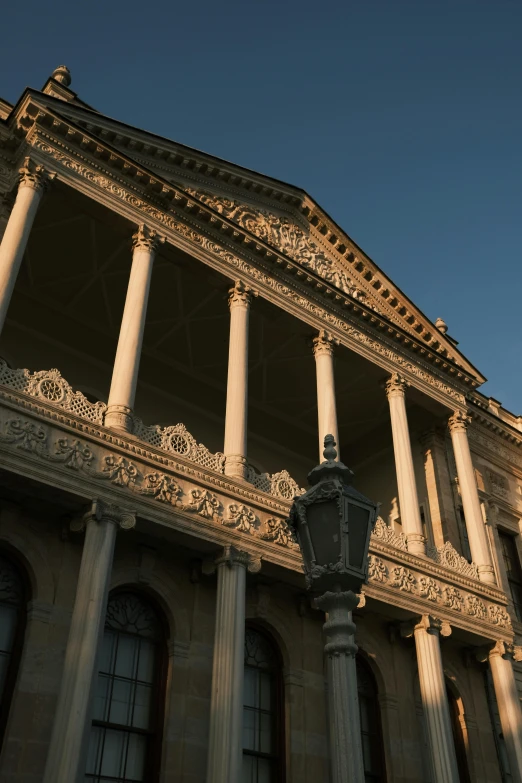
x=241, y=518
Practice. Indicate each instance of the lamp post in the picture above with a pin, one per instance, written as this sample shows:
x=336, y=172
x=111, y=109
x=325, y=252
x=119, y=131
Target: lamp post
x=333, y=522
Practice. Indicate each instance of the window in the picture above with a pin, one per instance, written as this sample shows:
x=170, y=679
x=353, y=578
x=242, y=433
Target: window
x=13, y=602
x=371, y=732
x=456, y=716
x=128, y=705
x=262, y=724
x=513, y=571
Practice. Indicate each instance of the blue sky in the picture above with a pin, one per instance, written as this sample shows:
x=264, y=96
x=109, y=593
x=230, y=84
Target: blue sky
x=402, y=118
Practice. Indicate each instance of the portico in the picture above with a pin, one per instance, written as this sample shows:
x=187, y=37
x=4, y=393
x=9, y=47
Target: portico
x=182, y=317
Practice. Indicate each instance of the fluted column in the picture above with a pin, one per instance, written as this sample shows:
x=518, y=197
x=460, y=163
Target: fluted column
x=406, y=485
x=343, y=699
x=435, y=705
x=478, y=540
x=326, y=407
x=67, y=750
x=235, y=449
x=14, y=241
x=508, y=701
x=128, y=352
x=226, y=704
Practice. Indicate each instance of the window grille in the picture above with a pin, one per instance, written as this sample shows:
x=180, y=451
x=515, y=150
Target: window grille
x=262, y=723
x=129, y=698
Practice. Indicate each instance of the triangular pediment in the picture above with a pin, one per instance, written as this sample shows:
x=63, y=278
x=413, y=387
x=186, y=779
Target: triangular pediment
x=275, y=213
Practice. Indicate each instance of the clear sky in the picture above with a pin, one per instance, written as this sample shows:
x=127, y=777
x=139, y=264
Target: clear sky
x=402, y=118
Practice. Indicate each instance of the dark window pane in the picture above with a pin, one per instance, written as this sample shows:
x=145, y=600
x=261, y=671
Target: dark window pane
x=371, y=734
x=513, y=570
x=13, y=601
x=125, y=731
x=261, y=720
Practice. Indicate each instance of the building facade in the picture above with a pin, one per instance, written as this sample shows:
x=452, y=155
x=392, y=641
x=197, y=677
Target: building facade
x=154, y=621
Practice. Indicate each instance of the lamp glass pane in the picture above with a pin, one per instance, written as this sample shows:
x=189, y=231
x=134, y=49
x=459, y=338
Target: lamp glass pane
x=325, y=530
x=358, y=521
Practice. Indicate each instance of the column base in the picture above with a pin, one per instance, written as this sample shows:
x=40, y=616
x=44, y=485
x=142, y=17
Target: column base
x=487, y=574
x=119, y=417
x=236, y=466
x=416, y=544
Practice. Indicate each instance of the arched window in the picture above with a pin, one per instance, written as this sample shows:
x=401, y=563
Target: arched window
x=457, y=726
x=371, y=731
x=125, y=744
x=13, y=602
x=263, y=741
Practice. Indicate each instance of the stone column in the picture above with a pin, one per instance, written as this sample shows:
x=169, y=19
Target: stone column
x=343, y=698
x=435, y=705
x=14, y=241
x=326, y=408
x=128, y=352
x=226, y=705
x=478, y=540
x=235, y=449
x=508, y=701
x=406, y=486
x=68, y=747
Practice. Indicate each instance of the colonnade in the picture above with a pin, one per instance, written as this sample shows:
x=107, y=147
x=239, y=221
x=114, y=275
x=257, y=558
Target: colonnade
x=71, y=722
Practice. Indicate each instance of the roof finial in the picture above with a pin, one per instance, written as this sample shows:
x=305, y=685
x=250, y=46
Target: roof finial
x=62, y=74
x=441, y=325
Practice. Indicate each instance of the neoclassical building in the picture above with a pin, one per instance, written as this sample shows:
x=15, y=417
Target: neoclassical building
x=154, y=621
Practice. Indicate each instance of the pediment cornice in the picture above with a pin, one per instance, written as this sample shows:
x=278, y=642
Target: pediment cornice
x=87, y=163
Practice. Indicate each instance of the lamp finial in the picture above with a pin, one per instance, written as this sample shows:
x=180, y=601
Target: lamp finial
x=330, y=452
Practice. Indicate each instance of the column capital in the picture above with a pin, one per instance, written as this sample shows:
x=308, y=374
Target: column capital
x=146, y=238
x=106, y=512
x=396, y=385
x=34, y=176
x=231, y=556
x=323, y=344
x=458, y=421
x=240, y=295
x=426, y=622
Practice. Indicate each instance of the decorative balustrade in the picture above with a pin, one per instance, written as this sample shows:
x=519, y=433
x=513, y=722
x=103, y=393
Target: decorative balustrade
x=177, y=439
x=49, y=385
x=281, y=484
x=445, y=555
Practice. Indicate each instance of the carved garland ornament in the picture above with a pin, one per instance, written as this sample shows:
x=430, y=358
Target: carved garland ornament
x=271, y=281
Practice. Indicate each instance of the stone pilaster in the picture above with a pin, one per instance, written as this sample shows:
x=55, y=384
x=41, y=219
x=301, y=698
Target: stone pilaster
x=478, y=540
x=406, y=485
x=433, y=694
x=343, y=700
x=128, y=352
x=226, y=705
x=31, y=186
x=235, y=448
x=67, y=749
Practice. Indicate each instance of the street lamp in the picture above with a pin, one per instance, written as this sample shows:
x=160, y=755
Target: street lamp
x=333, y=522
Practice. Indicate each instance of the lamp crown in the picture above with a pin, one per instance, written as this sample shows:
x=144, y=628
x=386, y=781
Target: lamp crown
x=330, y=452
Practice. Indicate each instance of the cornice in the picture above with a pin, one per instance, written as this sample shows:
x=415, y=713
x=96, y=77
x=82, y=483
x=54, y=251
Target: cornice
x=333, y=238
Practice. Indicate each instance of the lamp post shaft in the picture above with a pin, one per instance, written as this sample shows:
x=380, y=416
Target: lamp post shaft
x=343, y=700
